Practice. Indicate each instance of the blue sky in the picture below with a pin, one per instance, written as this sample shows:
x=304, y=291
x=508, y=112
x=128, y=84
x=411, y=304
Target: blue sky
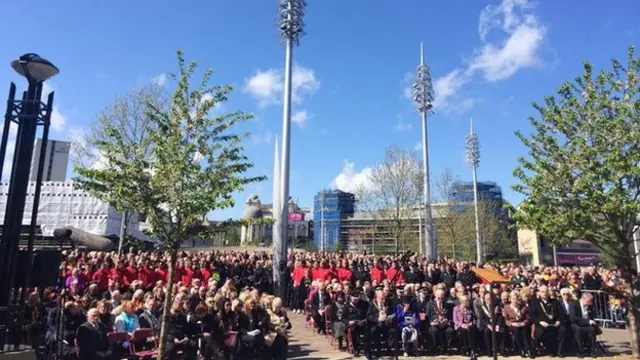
x=489, y=61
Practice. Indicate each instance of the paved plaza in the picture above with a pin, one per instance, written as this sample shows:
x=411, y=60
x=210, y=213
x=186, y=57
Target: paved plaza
x=306, y=344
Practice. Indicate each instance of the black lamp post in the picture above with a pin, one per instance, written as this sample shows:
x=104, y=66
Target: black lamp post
x=27, y=113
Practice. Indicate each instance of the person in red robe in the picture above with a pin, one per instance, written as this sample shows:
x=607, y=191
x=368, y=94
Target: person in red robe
x=394, y=274
x=344, y=273
x=378, y=273
x=147, y=275
x=329, y=272
x=297, y=277
x=102, y=276
x=162, y=273
x=316, y=272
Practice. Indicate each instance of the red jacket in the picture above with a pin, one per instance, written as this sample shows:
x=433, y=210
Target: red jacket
x=317, y=274
x=395, y=273
x=102, y=277
x=298, y=275
x=161, y=274
x=147, y=276
x=329, y=274
x=377, y=274
x=344, y=274
x=129, y=274
x=205, y=275
x=187, y=276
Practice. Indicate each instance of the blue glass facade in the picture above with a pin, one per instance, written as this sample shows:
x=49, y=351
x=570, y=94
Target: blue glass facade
x=461, y=193
x=337, y=205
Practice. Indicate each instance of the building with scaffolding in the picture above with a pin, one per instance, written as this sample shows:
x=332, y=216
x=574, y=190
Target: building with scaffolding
x=336, y=221
x=330, y=209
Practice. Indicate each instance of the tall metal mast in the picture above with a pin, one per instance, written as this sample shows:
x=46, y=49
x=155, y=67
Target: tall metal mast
x=423, y=97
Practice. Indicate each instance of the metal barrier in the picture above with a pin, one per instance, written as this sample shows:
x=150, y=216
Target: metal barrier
x=609, y=310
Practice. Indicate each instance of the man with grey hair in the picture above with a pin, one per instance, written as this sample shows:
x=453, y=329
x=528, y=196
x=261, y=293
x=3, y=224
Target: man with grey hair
x=566, y=307
x=583, y=325
x=440, y=316
x=92, y=339
x=545, y=314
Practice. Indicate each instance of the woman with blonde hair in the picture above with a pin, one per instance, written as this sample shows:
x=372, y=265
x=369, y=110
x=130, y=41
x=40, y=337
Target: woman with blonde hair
x=277, y=337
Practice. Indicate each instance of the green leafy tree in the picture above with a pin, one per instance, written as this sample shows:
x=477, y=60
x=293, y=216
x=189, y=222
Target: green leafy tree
x=127, y=114
x=196, y=163
x=581, y=177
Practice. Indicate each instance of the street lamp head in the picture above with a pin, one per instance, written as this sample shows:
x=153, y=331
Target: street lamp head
x=291, y=13
x=422, y=87
x=34, y=67
x=473, y=149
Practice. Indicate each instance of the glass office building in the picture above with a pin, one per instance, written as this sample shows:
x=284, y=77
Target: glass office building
x=330, y=207
x=461, y=194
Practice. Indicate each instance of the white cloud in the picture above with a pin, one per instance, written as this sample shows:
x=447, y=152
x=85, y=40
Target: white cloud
x=267, y=86
x=159, y=80
x=418, y=146
x=300, y=118
x=446, y=86
x=58, y=120
x=264, y=86
x=402, y=126
x=518, y=51
x=504, y=16
x=264, y=138
x=518, y=48
x=303, y=82
x=350, y=179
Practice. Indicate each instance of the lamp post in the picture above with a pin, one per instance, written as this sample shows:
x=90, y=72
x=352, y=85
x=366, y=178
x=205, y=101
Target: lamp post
x=473, y=157
x=290, y=14
x=27, y=113
x=423, y=97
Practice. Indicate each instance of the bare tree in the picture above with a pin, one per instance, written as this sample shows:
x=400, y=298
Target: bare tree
x=498, y=244
x=393, y=195
x=128, y=114
x=453, y=230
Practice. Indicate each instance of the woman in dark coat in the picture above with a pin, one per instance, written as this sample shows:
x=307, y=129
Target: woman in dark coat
x=227, y=317
x=179, y=333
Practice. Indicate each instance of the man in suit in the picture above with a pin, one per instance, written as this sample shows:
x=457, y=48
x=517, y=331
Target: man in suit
x=92, y=340
x=356, y=314
x=440, y=319
x=545, y=314
x=148, y=319
x=566, y=307
x=583, y=325
x=319, y=301
x=477, y=304
x=380, y=317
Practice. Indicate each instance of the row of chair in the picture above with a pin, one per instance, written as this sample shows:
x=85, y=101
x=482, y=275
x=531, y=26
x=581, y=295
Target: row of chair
x=143, y=343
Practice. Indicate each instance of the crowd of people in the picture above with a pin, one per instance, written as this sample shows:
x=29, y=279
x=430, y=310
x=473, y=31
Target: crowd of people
x=405, y=303
x=223, y=305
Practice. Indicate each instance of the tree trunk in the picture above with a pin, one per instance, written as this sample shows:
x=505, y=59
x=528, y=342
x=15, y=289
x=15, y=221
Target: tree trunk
x=397, y=245
x=633, y=309
x=166, y=309
x=453, y=245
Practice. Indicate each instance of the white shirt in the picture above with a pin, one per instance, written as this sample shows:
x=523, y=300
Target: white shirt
x=585, y=313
